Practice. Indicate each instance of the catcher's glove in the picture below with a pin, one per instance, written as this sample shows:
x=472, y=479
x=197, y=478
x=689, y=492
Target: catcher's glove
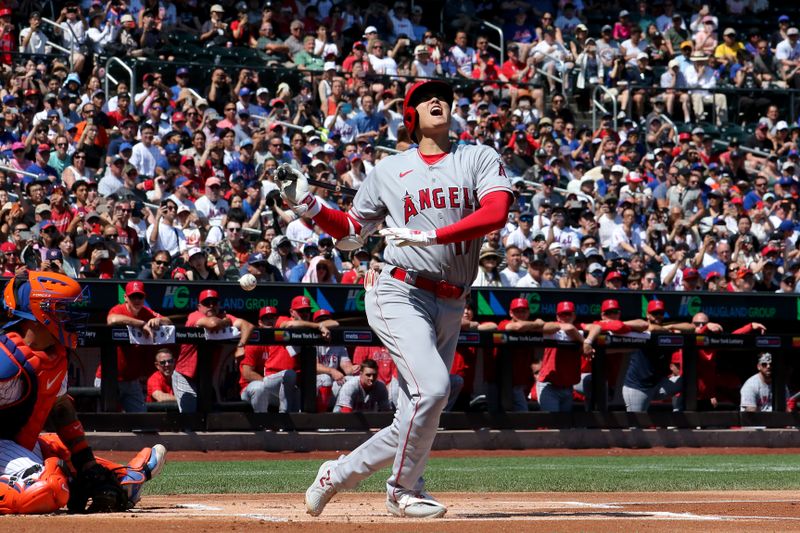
x=99, y=485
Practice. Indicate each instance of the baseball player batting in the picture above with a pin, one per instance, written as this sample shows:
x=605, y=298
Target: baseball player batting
x=437, y=201
x=40, y=473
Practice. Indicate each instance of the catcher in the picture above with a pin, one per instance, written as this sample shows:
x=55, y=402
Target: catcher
x=40, y=473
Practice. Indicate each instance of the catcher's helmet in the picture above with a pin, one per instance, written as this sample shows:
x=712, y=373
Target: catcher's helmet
x=417, y=94
x=46, y=297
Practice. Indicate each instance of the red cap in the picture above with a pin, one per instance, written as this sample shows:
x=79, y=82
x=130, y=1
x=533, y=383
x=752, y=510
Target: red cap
x=208, y=293
x=268, y=310
x=565, y=307
x=177, y=116
x=736, y=200
x=44, y=147
x=519, y=303
x=765, y=251
x=177, y=272
x=213, y=180
x=321, y=314
x=8, y=247
x=300, y=302
x=5, y=12
x=609, y=305
x=134, y=287
x=743, y=272
x=689, y=273
x=685, y=136
x=185, y=159
x=614, y=274
x=655, y=305
x=711, y=275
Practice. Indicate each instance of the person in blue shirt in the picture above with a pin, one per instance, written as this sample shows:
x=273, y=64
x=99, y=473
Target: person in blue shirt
x=310, y=251
x=368, y=122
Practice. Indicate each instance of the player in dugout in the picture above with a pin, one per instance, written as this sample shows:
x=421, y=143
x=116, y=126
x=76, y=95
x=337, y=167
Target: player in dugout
x=41, y=473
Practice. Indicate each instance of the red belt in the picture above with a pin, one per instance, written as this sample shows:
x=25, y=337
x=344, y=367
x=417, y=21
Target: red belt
x=440, y=288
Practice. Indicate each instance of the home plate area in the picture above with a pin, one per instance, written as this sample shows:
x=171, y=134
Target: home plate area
x=668, y=511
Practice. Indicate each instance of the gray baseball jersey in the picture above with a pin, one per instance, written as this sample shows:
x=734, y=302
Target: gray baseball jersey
x=407, y=192
x=357, y=398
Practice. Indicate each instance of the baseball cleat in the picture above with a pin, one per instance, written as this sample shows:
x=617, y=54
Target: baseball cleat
x=321, y=491
x=410, y=504
x=158, y=456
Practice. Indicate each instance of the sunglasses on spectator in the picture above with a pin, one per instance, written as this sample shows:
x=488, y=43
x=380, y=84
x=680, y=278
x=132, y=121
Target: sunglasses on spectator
x=235, y=229
x=166, y=362
x=161, y=263
x=78, y=157
x=699, y=323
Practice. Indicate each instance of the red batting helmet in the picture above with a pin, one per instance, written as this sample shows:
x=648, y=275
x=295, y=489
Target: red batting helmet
x=417, y=94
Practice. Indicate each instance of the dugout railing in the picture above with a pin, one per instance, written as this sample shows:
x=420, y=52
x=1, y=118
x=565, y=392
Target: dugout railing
x=212, y=416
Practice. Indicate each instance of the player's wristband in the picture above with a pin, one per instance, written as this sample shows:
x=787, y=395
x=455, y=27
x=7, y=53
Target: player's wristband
x=312, y=206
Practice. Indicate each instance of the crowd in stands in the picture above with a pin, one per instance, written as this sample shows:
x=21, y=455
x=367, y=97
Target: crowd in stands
x=688, y=185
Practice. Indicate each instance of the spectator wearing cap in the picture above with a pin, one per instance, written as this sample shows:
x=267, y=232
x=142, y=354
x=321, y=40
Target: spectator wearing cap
x=197, y=268
x=535, y=270
x=787, y=52
x=488, y=272
x=548, y=193
x=648, y=375
x=133, y=360
x=283, y=257
x=700, y=77
x=215, y=31
x=162, y=233
x=210, y=316
x=728, y=50
x=258, y=266
x=756, y=393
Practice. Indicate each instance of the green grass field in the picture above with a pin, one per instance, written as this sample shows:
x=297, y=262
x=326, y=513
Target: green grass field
x=524, y=474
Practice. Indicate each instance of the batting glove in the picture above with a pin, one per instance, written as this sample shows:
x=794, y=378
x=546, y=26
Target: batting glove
x=294, y=189
x=409, y=237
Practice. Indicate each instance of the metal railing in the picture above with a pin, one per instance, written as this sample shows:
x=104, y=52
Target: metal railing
x=131, y=73
x=598, y=104
x=499, y=30
x=55, y=25
x=506, y=344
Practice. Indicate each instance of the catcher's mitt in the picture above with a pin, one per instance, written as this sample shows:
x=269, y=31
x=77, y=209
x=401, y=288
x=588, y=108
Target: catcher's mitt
x=99, y=485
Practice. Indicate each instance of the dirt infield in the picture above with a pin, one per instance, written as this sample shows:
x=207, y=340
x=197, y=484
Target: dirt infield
x=674, y=511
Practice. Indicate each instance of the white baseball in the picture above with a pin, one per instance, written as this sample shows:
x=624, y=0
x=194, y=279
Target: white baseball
x=248, y=282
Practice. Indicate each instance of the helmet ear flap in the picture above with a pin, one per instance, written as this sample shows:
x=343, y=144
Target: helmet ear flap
x=410, y=121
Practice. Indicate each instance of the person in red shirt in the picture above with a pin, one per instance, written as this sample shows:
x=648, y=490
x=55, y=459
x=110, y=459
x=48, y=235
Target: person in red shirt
x=359, y=55
x=214, y=320
x=709, y=380
x=269, y=372
x=159, y=385
x=522, y=358
x=561, y=365
x=610, y=313
x=133, y=360
x=60, y=213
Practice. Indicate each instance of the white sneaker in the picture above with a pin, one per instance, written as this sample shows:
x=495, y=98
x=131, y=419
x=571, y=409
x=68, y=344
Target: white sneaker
x=321, y=491
x=410, y=504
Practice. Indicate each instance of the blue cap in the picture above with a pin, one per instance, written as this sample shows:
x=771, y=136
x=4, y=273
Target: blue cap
x=785, y=180
x=256, y=258
x=52, y=113
x=462, y=102
x=183, y=71
x=244, y=91
x=180, y=180
x=172, y=148
x=9, y=98
x=792, y=153
x=73, y=77
x=54, y=255
x=246, y=142
x=713, y=166
x=125, y=146
x=784, y=18
x=786, y=225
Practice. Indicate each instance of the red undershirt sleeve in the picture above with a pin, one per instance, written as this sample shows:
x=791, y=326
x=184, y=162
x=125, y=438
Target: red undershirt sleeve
x=491, y=215
x=336, y=223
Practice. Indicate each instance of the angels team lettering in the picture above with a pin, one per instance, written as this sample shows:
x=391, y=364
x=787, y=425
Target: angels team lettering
x=437, y=198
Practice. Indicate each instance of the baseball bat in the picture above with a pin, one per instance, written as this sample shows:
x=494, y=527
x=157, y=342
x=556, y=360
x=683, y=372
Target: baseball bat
x=285, y=175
